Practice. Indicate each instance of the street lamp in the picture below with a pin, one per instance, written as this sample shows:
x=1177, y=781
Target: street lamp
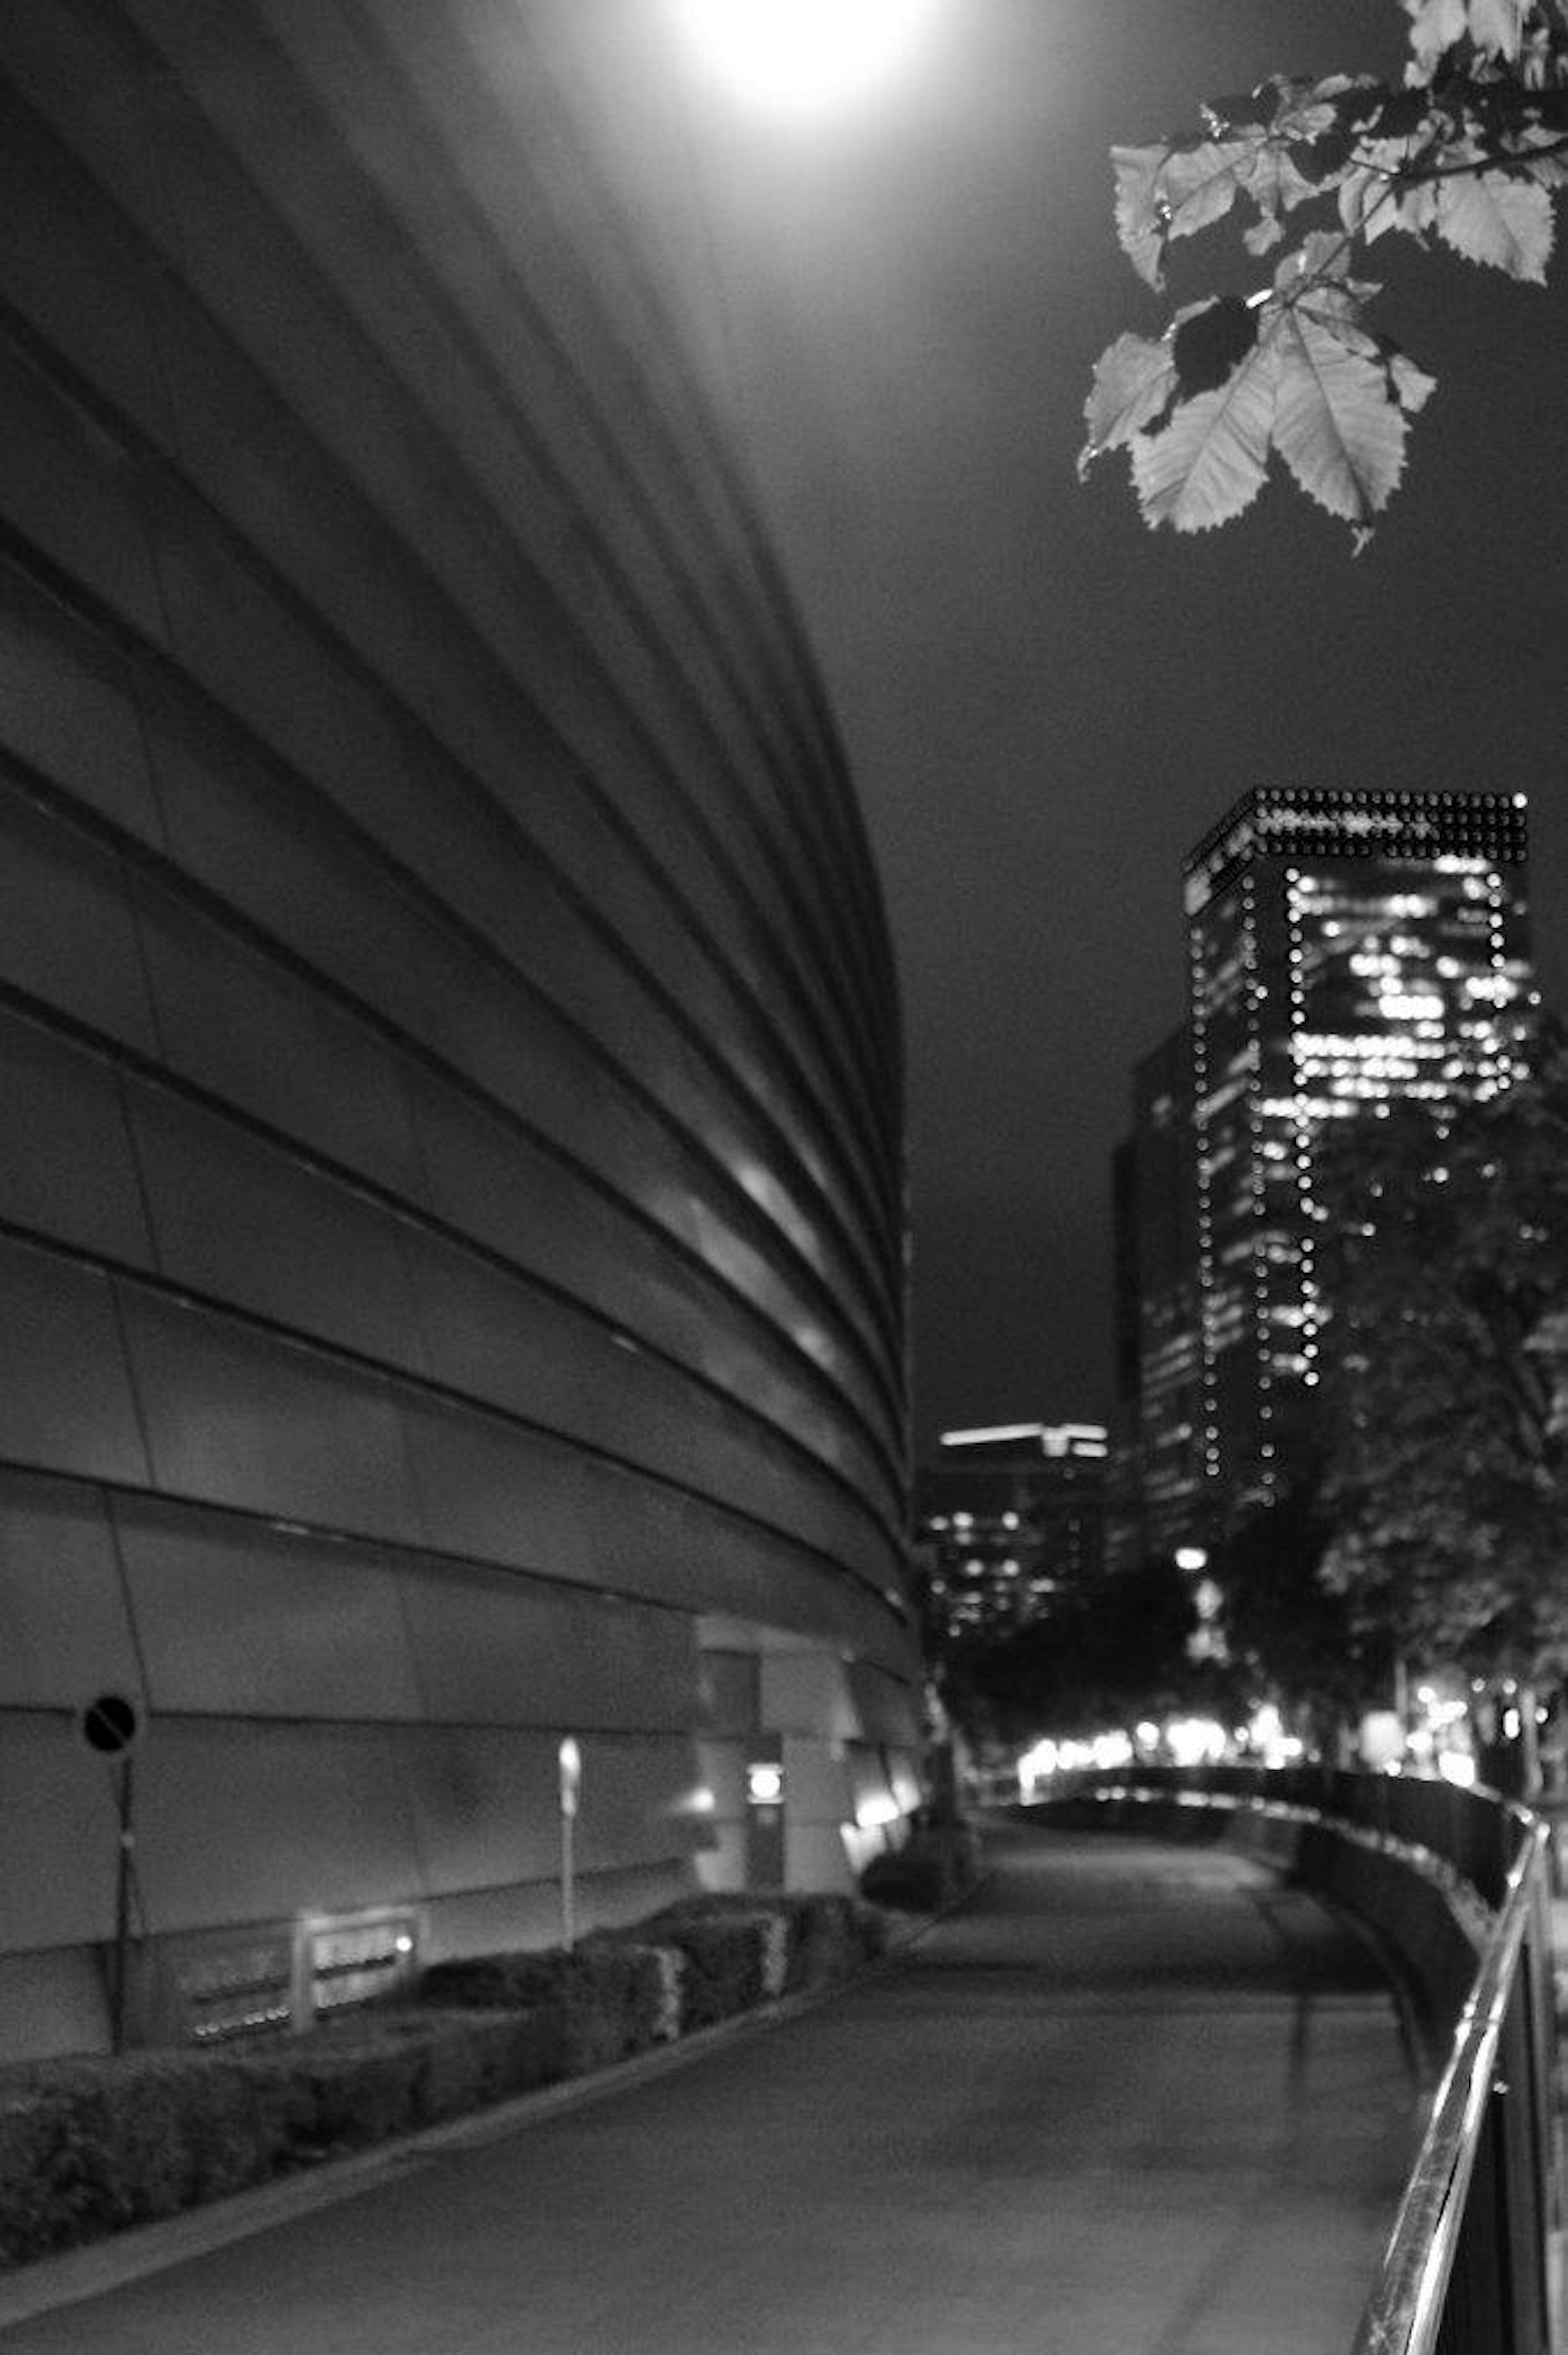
x=804, y=57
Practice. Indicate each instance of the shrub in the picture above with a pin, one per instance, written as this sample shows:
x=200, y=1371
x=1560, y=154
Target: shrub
x=438, y=2064
x=831, y=1936
x=934, y=1866
x=608, y=1997
x=725, y=1953
x=88, y=2144
x=332, y=2092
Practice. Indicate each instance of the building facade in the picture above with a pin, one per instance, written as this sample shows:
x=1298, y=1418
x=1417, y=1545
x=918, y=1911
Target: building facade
x=451, y=1201
x=1158, y=1480
x=1348, y=949
x=1008, y=1518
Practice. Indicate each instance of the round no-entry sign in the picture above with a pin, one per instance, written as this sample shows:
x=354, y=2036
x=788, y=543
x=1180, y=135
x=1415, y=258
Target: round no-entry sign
x=111, y=1724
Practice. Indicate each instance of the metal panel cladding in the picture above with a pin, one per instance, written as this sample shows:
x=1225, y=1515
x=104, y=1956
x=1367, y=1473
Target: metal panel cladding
x=449, y=1043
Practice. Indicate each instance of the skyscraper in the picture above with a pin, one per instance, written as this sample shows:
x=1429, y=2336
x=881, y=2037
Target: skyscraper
x=1160, y=1418
x=1347, y=949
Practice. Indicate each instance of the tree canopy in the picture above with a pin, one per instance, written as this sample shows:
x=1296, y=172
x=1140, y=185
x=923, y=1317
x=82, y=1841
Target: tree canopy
x=1113, y=1650
x=1469, y=153
x=1445, y=1434
x=1323, y=1657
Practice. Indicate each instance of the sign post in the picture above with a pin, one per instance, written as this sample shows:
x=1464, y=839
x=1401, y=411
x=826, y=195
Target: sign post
x=570, y=1759
x=111, y=1725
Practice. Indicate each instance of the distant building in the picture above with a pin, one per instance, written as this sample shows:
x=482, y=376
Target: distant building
x=1347, y=949
x=1158, y=1479
x=1011, y=1515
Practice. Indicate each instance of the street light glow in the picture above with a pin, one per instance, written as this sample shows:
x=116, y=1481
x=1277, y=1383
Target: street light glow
x=803, y=56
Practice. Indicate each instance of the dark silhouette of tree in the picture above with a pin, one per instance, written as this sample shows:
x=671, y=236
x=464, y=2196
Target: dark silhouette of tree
x=1291, y=1637
x=1115, y=1651
x=1444, y=1433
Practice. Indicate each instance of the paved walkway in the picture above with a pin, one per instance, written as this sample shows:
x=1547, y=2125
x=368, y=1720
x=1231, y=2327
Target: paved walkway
x=1133, y=2100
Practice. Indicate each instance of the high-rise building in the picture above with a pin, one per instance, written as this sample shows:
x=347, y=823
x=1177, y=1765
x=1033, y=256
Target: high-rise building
x=1348, y=949
x=1158, y=1479
x=1011, y=1516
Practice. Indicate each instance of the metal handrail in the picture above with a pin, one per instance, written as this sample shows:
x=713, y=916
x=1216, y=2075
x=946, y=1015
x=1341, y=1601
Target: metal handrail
x=1465, y=2271
x=1405, y=2314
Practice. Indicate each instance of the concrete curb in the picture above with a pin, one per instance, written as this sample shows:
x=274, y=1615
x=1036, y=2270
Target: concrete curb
x=74, y=2275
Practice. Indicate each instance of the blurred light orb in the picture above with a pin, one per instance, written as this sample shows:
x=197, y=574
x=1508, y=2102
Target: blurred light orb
x=804, y=57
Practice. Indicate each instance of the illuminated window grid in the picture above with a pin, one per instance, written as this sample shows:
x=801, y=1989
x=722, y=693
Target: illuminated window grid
x=1400, y=978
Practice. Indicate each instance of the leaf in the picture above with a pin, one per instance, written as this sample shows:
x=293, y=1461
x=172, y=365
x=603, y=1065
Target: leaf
x=1207, y=464
x=1360, y=190
x=1412, y=385
x=1338, y=424
x=1372, y=200
x=1175, y=190
x=1324, y=258
x=1254, y=108
x=1134, y=380
x=1435, y=26
x=1140, y=225
x=1491, y=218
x=1549, y=170
x=1497, y=26
x=1199, y=185
x=1322, y=159
x=1272, y=180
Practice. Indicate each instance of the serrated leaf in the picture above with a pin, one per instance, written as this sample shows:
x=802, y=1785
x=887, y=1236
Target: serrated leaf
x=1415, y=210
x=1497, y=26
x=1139, y=224
x=1207, y=464
x=1199, y=185
x=1413, y=387
x=1134, y=380
x=1360, y=189
x=1325, y=258
x=1323, y=159
x=1548, y=171
x=1272, y=180
x=1491, y=218
x=1434, y=25
x=1336, y=423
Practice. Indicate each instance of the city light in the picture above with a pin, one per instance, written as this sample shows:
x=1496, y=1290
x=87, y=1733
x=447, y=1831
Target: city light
x=872, y=1814
x=804, y=57
x=1195, y=1741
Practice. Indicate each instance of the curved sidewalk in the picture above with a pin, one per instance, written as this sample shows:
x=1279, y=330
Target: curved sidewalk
x=1131, y=2099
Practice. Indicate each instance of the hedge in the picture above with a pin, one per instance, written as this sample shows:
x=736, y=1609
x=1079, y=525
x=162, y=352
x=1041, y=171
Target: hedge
x=807, y=1940
x=934, y=1866
x=89, y=2144
x=609, y=1998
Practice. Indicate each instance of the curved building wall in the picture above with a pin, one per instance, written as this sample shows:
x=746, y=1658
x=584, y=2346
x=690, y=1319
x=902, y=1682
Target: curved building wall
x=450, y=1193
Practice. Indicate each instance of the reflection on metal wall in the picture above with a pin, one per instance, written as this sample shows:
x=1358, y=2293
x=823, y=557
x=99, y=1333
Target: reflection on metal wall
x=450, y=1195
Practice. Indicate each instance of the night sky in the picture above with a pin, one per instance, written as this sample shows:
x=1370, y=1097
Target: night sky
x=1044, y=704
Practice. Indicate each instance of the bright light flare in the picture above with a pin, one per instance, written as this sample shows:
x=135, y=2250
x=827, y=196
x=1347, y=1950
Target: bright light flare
x=804, y=57
x=1195, y=1741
